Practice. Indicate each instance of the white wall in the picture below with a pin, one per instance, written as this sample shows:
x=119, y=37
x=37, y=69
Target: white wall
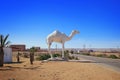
x=7, y=54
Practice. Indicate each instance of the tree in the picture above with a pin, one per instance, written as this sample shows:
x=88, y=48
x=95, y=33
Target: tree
x=32, y=50
x=3, y=43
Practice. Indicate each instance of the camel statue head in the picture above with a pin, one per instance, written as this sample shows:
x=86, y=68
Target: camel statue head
x=75, y=32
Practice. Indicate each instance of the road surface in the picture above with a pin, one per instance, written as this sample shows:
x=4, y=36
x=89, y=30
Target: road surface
x=112, y=63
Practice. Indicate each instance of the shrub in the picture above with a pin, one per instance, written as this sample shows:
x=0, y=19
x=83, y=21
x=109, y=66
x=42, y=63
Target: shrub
x=46, y=56
x=88, y=54
x=71, y=57
x=101, y=55
x=25, y=55
x=113, y=56
x=43, y=57
x=71, y=51
x=56, y=55
x=76, y=58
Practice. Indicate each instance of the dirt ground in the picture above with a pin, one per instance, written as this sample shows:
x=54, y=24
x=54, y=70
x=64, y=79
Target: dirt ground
x=56, y=70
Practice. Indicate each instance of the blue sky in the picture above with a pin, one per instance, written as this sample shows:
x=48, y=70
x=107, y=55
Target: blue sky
x=30, y=21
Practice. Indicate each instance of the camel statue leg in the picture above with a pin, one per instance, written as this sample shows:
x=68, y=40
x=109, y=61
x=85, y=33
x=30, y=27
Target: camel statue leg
x=50, y=51
x=63, y=50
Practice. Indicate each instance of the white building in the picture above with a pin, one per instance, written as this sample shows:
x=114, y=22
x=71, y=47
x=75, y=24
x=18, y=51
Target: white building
x=7, y=54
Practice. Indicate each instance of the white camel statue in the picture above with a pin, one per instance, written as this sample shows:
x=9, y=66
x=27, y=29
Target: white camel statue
x=59, y=37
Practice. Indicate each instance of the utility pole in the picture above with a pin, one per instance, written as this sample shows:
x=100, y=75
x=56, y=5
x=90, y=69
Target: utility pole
x=84, y=46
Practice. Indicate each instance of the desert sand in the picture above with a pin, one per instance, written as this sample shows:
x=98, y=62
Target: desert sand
x=56, y=70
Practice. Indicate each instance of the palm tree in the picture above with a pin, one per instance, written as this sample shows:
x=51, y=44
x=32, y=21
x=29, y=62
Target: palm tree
x=3, y=43
x=32, y=50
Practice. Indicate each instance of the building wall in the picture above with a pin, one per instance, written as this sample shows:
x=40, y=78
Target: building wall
x=18, y=47
x=7, y=54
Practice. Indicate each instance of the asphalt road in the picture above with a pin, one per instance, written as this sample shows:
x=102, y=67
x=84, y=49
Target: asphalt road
x=108, y=62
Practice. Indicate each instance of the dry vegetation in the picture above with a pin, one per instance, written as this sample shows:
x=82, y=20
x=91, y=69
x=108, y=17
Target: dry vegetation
x=114, y=55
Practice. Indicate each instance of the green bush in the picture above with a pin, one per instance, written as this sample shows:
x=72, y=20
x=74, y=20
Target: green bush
x=76, y=58
x=56, y=55
x=46, y=56
x=113, y=56
x=43, y=57
x=71, y=51
x=71, y=57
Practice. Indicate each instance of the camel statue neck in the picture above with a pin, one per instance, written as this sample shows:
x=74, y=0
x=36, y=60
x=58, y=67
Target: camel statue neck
x=71, y=36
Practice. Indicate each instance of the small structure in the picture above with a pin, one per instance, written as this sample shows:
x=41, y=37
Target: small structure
x=7, y=54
